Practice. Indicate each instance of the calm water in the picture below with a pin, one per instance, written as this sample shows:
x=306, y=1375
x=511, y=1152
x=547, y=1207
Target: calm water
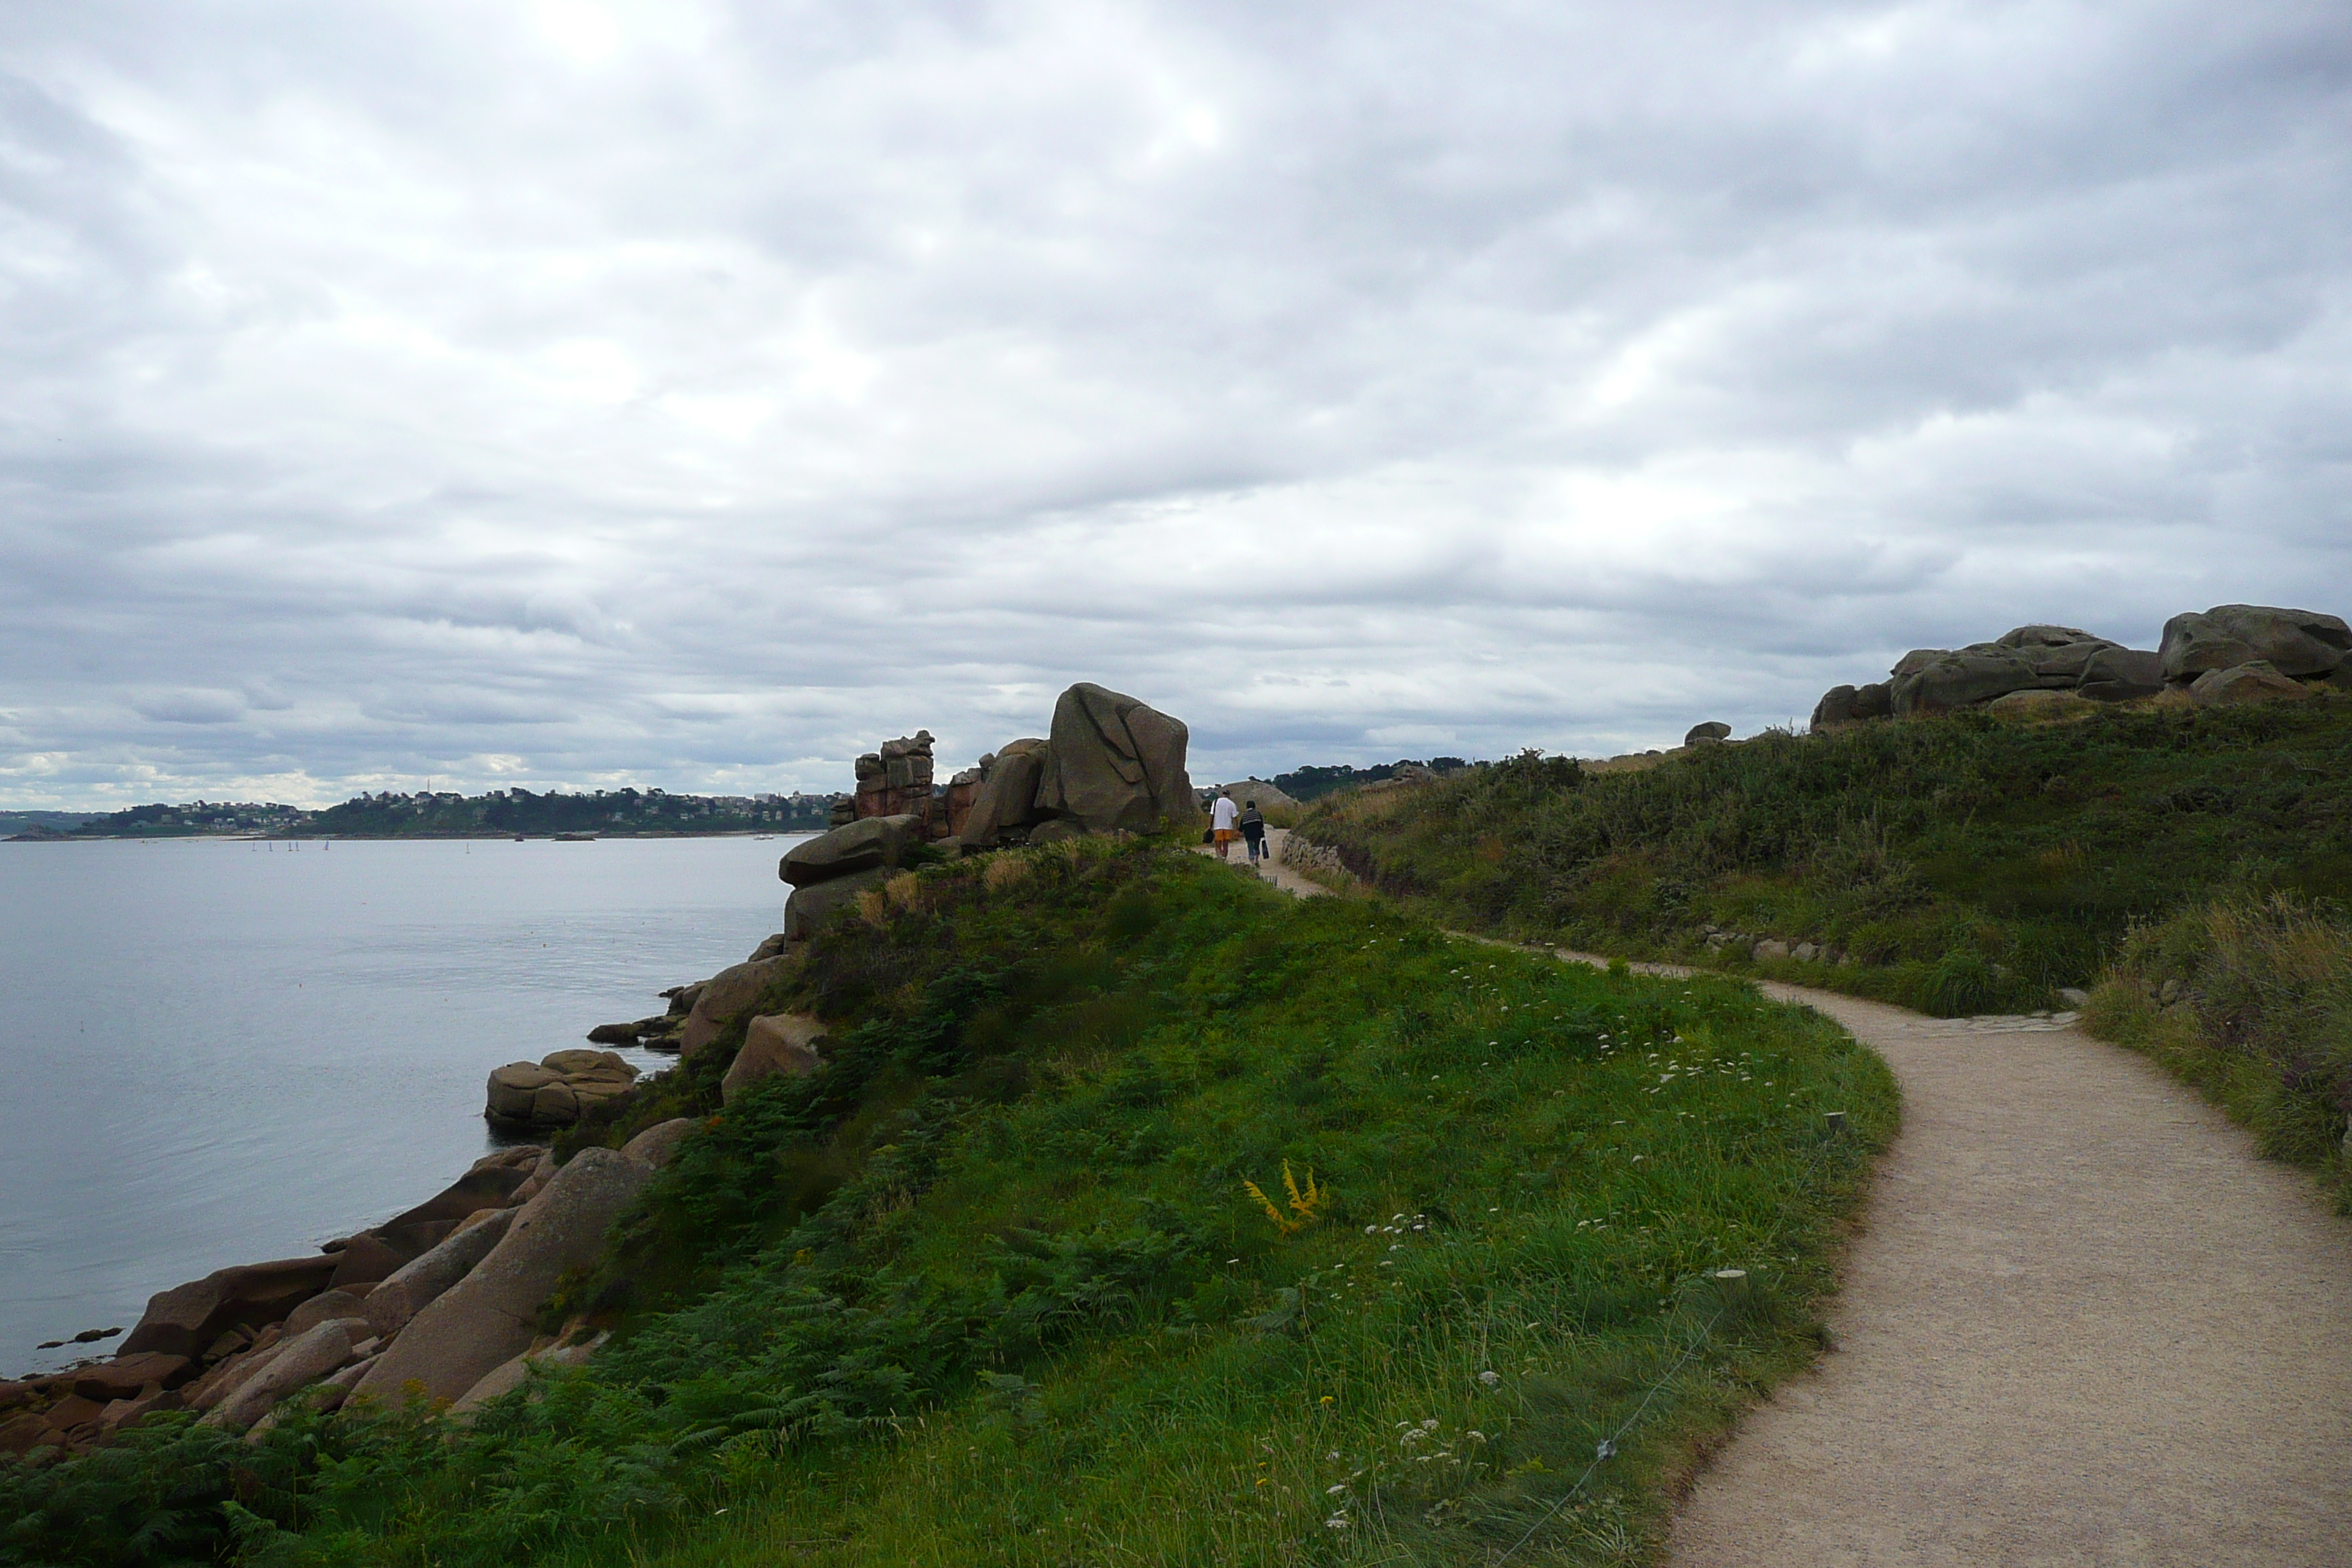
x=219, y=1052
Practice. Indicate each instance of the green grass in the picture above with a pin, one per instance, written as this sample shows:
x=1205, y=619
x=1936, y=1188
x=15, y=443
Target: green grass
x=1966, y=864
x=2249, y=1000
x=991, y=1289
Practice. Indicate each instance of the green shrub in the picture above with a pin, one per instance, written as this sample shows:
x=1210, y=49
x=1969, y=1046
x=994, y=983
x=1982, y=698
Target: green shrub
x=1960, y=861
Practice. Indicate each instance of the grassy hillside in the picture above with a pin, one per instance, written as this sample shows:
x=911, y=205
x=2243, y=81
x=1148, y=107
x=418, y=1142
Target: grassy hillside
x=1139, y=1215
x=1962, y=865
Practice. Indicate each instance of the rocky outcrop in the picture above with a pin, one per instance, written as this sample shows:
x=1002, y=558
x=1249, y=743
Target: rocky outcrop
x=390, y=1305
x=782, y=1043
x=1114, y=762
x=187, y=1320
x=2299, y=644
x=1004, y=802
x=2242, y=684
x=870, y=844
x=240, y=1341
x=2120, y=675
x=557, y=1090
x=657, y=1143
x=896, y=782
x=487, y=1318
x=298, y=1362
x=829, y=871
x=1714, y=730
x=2227, y=637
x=724, y=996
x=811, y=909
x=326, y=1308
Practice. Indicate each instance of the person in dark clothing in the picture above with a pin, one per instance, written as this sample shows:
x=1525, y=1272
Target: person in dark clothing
x=1254, y=830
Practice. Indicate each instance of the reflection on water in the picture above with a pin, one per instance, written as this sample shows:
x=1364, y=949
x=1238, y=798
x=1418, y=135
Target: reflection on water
x=222, y=1052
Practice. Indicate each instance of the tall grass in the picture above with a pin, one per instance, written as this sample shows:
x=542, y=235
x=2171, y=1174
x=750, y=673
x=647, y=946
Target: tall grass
x=2248, y=998
x=1959, y=864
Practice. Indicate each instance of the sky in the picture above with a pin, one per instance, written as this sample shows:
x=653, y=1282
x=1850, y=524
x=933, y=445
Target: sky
x=577, y=394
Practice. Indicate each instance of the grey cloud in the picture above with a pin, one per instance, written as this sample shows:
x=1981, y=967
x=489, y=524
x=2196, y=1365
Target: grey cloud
x=706, y=391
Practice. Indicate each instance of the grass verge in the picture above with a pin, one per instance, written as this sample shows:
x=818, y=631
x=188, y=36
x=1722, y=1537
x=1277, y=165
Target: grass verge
x=2249, y=1000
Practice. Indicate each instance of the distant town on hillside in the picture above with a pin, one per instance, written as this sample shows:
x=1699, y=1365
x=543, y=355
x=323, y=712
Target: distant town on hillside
x=623, y=813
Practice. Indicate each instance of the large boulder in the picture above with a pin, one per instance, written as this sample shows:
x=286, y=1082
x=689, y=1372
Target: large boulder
x=1949, y=681
x=1115, y=762
x=728, y=993
x=1875, y=700
x=1835, y=708
x=298, y=1362
x=488, y=1317
x=863, y=846
x=493, y=1182
x=2121, y=674
x=779, y=1043
x=553, y=1092
x=515, y=1086
x=810, y=910
x=2045, y=637
x=364, y=1259
x=390, y=1305
x=2243, y=684
x=1707, y=733
x=126, y=1376
x=2291, y=642
x=186, y=1319
x=656, y=1144
x=1006, y=800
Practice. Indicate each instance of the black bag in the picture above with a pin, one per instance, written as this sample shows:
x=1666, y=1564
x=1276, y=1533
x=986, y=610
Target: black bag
x=1208, y=835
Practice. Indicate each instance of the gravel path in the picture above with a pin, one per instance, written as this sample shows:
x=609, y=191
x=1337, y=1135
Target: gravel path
x=2084, y=1323
x=1271, y=869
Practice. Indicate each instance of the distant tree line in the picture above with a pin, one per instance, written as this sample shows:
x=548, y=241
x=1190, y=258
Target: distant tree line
x=1306, y=784
x=449, y=815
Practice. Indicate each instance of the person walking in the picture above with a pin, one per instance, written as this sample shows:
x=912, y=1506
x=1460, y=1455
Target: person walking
x=1222, y=817
x=1253, y=831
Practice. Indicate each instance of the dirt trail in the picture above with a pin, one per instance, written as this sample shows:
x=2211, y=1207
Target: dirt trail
x=2085, y=1323
x=1271, y=869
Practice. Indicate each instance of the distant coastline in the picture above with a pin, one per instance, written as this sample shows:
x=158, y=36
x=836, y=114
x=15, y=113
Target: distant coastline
x=500, y=814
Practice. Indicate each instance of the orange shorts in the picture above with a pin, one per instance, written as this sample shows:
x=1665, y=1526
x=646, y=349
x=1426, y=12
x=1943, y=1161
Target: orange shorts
x=1226, y=836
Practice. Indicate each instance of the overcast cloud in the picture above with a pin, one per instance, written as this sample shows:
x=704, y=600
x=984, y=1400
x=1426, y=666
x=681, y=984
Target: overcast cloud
x=695, y=394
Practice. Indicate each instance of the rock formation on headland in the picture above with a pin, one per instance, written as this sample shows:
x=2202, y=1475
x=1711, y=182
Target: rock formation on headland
x=2227, y=655
x=1109, y=764
x=444, y=1299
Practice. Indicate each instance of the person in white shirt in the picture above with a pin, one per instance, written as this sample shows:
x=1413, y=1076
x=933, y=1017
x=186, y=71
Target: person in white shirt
x=1221, y=818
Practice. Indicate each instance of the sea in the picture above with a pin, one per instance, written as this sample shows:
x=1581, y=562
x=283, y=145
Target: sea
x=223, y=1051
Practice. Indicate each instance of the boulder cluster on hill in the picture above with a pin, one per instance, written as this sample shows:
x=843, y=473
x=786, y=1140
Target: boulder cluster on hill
x=1109, y=762
x=2229, y=654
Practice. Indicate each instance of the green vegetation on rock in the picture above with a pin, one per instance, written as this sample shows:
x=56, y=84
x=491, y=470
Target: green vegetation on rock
x=1137, y=1213
x=1961, y=865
